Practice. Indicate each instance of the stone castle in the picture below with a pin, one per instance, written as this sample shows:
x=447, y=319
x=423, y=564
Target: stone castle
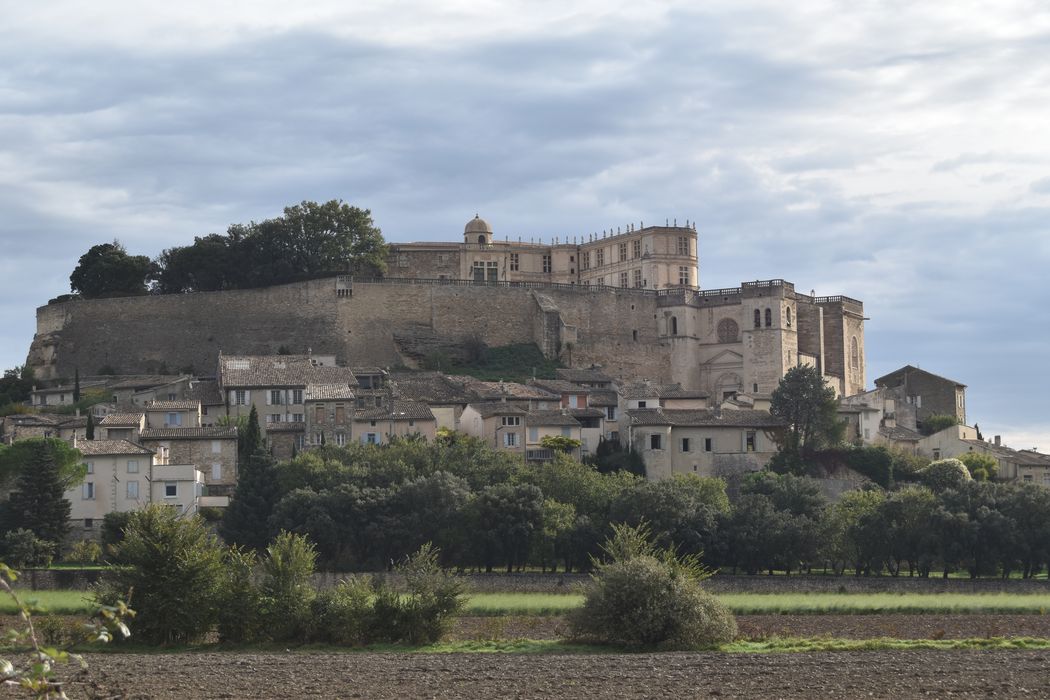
x=628, y=301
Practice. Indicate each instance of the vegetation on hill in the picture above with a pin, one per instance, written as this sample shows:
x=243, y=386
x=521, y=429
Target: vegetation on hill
x=511, y=363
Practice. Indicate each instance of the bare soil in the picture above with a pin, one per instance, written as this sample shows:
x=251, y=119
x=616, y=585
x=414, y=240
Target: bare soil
x=896, y=674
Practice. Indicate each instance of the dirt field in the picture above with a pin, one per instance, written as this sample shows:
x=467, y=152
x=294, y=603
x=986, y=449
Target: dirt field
x=957, y=674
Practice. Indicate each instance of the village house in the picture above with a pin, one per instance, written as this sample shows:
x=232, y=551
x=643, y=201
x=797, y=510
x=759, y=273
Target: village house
x=500, y=424
x=550, y=423
x=329, y=412
x=402, y=419
x=924, y=393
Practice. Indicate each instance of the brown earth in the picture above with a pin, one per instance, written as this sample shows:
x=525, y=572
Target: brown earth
x=897, y=674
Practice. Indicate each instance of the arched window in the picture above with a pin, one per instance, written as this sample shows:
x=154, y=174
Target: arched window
x=854, y=353
x=758, y=318
x=674, y=325
x=728, y=331
x=769, y=318
x=788, y=317
x=481, y=239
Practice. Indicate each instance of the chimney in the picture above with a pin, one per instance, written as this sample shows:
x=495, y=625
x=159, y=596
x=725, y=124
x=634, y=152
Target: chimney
x=74, y=439
x=998, y=440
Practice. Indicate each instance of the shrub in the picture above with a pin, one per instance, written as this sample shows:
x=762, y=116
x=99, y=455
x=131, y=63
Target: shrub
x=937, y=422
x=85, y=552
x=945, y=474
x=112, y=531
x=982, y=467
x=344, y=615
x=286, y=588
x=644, y=597
x=173, y=568
x=434, y=597
x=239, y=618
x=21, y=548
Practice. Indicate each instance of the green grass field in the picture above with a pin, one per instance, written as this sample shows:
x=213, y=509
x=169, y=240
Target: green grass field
x=58, y=602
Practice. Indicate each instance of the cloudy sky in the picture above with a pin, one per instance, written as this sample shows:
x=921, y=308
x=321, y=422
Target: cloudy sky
x=895, y=152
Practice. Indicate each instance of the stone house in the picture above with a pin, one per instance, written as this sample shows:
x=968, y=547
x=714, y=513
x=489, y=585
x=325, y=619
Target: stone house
x=500, y=424
x=550, y=423
x=707, y=442
x=329, y=413
x=927, y=393
x=403, y=419
x=1014, y=465
x=133, y=392
x=211, y=450
x=62, y=395
x=20, y=426
x=121, y=426
x=209, y=395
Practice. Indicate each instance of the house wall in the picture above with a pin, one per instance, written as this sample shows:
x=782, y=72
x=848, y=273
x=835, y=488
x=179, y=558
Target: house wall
x=728, y=448
x=202, y=453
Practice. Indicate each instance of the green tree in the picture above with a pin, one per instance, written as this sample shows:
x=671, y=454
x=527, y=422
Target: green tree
x=15, y=387
x=937, y=422
x=107, y=270
x=506, y=517
x=807, y=405
x=982, y=467
x=560, y=443
x=46, y=468
x=945, y=474
x=245, y=521
x=89, y=429
x=857, y=533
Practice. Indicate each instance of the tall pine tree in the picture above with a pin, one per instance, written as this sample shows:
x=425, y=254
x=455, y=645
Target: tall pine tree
x=38, y=502
x=245, y=519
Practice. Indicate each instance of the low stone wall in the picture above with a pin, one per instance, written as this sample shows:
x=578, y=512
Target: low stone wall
x=82, y=579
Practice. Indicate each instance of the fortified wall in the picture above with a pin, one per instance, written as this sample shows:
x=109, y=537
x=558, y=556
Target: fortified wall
x=380, y=323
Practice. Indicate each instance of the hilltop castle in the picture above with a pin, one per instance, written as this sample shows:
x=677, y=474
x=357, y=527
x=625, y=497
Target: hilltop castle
x=628, y=301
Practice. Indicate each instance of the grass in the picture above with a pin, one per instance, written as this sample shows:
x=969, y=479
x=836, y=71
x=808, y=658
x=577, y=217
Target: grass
x=57, y=602
x=497, y=604
x=795, y=645
x=512, y=363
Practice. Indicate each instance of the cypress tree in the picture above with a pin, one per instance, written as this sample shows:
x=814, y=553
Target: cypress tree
x=38, y=502
x=89, y=431
x=245, y=519
x=76, y=385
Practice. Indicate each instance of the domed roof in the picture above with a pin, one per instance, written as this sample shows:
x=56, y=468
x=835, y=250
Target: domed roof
x=477, y=225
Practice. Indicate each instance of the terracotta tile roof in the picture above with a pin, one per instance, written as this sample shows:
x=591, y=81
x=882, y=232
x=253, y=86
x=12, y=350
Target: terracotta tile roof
x=285, y=427
x=434, y=387
x=649, y=390
x=704, y=418
x=213, y=433
x=884, y=380
x=487, y=409
x=29, y=419
x=402, y=410
x=586, y=412
x=253, y=371
x=122, y=420
x=550, y=418
x=519, y=391
x=559, y=386
x=900, y=434
x=111, y=447
x=1021, y=457
x=189, y=405
x=593, y=376
x=603, y=397
x=207, y=392
x=327, y=392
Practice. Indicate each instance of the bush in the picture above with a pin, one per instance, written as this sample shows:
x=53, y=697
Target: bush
x=982, y=467
x=112, y=531
x=938, y=422
x=945, y=474
x=286, y=589
x=434, y=597
x=644, y=597
x=239, y=617
x=173, y=568
x=21, y=548
x=344, y=615
x=85, y=552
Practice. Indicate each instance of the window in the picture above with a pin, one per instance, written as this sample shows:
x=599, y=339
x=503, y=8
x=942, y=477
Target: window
x=623, y=252
x=514, y=262
x=297, y=417
x=89, y=490
x=300, y=441
x=133, y=489
x=674, y=325
x=642, y=404
x=754, y=387
x=599, y=256
x=340, y=414
x=216, y=447
x=273, y=418
x=614, y=436
x=655, y=442
x=788, y=314
x=89, y=523
x=585, y=260
x=534, y=434
x=275, y=397
x=511, y=420
x=634, y=335
x=758, y=318
x=623, y=279
x=173, y=420
x=574, y=401
x=936, y=454
x=749, y=441
x=297, y=396
x=707, y=445
x=566, y=431
x=133, y=466
x=171, y=396
x=510, y=439
x=1027, y=477
x=636, y=249
x=637, y=278
x=90, y=467
x=610, y=412
x=546, y=263
x=728, y=331
x=371, y=439
x=240, y=397
x=204, y=410
x=340, y=439
x=769, y=318
x=683, y=245
x=685, y=445
x=854, y=353
x=171, y=489
x=216, y=471
x=683, y=275
x=319, y=413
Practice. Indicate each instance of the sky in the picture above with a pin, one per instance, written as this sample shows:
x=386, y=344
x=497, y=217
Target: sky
x=894, y=152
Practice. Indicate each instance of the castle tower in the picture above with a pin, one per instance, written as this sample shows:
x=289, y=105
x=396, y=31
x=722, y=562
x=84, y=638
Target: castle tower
x=477, y=231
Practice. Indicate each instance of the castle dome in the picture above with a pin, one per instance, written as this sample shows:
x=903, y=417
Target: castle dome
x=477, y=225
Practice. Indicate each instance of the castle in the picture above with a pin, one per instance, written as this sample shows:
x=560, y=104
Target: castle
x=627, y=301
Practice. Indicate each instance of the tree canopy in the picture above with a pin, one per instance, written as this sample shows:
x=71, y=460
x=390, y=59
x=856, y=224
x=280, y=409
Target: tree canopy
x=309, y=239
x=107, y=270
x=805, y=402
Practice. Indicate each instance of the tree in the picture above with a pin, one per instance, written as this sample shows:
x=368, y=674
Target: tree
x=15, y=386
x=945, y=474
x=107, y=270
x=807, y=405
x=38, y=503
x=982, y=467
x=937, y=422
x=89, y=429
x=560, y=443
x=245, y=521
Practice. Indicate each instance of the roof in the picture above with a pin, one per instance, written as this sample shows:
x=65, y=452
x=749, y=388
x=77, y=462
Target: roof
x=122, y=420
x=173, y=405
x=900, y=434
x=25, y=419
x=477, y=225
x=368, y=370
x=213, y=433
x=207, y=392
x=1019, y=457
x=402, y=410
x=251, y=371
x=487, y=409
x=603, y=397
x=434, y=387
x=908, y=369
x=286, y=426
x=649, y=390
x=550, y=418
x=559, y=386
x=68, y=388
x=706, y=418
x=111, y=447
x=518, y=391
x=327, y=392
x=592, y=375
x=144, y=381
x=586, y=412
